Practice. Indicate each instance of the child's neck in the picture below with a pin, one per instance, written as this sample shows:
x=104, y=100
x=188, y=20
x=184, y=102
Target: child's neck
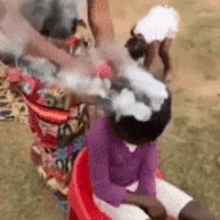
x=131, y=147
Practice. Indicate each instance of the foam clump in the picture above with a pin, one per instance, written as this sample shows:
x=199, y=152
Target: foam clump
x=158, y=23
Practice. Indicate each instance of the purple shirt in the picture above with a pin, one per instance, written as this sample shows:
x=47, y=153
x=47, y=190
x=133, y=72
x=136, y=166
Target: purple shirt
x=114, y=167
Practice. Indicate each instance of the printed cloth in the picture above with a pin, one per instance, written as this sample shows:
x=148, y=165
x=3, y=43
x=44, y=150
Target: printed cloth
x=57, y=120
x=12, y=105
x=53, y=118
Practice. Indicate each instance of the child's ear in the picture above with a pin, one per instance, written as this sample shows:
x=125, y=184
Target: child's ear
x=136, y=47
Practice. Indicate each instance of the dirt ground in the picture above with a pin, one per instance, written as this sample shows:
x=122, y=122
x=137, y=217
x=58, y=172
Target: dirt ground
x=191, y=147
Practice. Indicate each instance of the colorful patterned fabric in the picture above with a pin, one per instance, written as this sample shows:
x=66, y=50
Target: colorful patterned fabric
x=12, y=105
x=55, y=165
x=56, y=118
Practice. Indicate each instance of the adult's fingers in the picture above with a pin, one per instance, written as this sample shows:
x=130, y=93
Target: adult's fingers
x=114, y=54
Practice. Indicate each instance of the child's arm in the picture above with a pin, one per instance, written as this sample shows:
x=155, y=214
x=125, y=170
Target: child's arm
x=97, y=142
x=145, y=196
x=147, y=184
x=147, y=171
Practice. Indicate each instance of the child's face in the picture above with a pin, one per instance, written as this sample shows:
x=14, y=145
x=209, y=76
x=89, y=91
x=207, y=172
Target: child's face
x=126, y=139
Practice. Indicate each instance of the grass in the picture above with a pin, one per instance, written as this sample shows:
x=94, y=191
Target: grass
x=24, y=195
x=190, y=150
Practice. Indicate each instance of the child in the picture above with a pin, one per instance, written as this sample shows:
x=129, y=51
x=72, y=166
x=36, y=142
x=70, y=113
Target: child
x=124, y=161
x=152, y=38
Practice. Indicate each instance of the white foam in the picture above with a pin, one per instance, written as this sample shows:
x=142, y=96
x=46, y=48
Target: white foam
x=126, y=105
x=79, y=84
x=158, y=23
x=143, y=82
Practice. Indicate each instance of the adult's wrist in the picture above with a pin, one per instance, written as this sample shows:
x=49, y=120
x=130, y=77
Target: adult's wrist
x=39, y=46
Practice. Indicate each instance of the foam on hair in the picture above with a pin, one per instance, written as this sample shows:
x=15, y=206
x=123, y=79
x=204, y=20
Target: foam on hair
x=136, y=47
x=134, y=131
x=125, y=98
x=143, y=82
x=125, y=104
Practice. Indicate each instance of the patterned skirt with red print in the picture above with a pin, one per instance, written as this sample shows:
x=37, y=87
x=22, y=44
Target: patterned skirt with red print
x=58, y=123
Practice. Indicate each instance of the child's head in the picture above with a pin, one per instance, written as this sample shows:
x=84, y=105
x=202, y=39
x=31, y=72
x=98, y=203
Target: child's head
x=130, y=130
x=136, y=47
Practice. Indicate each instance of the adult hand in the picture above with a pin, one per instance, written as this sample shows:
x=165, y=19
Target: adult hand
x=115, y=55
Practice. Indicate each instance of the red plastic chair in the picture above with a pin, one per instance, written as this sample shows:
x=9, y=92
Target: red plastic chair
x=80, y=196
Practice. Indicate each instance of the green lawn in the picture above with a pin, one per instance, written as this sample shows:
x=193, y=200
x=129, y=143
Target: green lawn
x=24, y=195
x=192, y=147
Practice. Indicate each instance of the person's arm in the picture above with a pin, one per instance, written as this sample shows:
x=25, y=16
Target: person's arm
x=102, y=27
x=150, y=205
x=26, y=38
x=148, y=170
x=151, y=54
x=145, y=195
x=100, y=20
x=159, y=144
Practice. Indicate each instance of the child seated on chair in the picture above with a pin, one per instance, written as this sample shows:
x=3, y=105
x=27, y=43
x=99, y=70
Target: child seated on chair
x=123, y=161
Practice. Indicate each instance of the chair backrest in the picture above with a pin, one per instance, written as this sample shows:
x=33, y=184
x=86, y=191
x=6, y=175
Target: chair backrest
x=80, y=192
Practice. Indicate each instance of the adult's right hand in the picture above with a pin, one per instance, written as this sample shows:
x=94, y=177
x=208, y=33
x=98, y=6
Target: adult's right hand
x=115, y=55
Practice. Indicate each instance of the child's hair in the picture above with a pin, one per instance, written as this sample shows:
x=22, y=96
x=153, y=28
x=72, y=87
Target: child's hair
x=129, y=129
x=136, y=45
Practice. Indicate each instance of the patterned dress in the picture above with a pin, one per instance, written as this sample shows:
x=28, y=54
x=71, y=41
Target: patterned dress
x=57, y=120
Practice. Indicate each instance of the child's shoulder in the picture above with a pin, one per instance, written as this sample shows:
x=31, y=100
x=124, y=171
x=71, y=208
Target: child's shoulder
x=149, y=147
x=98, y=131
